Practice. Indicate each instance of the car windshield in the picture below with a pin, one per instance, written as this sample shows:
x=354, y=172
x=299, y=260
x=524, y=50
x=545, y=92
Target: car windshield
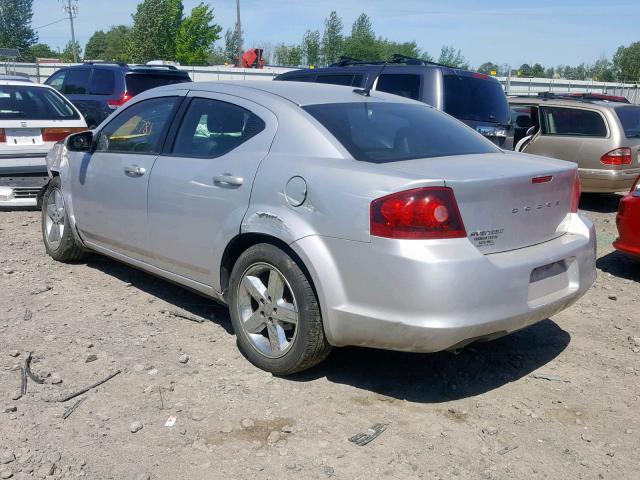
x=630, y=120
x=475, y=98
x=25, y=102
x=381, y=132
x=140, y=82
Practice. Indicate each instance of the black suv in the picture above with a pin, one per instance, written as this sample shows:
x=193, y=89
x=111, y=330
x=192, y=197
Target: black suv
x=476, y=99
x=97, y=89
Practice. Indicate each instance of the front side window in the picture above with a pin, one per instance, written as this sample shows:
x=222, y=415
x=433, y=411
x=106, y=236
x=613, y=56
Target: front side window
x=138, y=129
x=403, y=84
x=573, y=122
x=77, y=81
x=212, y=128
x=381, y=132
x=57, y=79
x=26, y=102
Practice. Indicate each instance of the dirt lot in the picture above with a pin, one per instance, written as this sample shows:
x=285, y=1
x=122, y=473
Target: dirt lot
x=558, y=400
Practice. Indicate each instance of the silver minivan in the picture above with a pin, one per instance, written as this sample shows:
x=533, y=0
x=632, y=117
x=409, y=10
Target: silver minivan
x=602, y=137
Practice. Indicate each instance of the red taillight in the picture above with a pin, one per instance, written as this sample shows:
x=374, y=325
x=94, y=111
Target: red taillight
x=3, y=136
x=480, y=75
x=122, y=100
x=57, y=134
x=545, y=179
x=420, y=213
x=575, y=196
x=619, y=156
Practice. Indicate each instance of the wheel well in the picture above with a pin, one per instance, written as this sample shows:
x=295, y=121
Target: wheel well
x=246, y=240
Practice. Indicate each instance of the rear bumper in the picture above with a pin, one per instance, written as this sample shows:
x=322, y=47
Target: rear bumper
x=607, y=181
x=426, y=296
x=14, y=165
x=628, y=222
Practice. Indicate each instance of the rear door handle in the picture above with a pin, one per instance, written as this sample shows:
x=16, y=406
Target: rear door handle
x=134, y=170
x=228, y=179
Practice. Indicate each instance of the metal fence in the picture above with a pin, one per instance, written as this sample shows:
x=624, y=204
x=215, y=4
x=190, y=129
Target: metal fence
x=513, y=85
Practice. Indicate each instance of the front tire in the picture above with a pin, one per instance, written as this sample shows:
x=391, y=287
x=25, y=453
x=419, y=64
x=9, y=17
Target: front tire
x=275, y=313
x=56, y=232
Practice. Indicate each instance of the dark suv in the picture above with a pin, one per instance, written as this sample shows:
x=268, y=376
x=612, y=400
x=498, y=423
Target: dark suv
x=97, y=89
x=476, y=99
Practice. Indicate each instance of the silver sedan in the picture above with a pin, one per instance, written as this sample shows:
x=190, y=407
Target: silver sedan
x=324, y=216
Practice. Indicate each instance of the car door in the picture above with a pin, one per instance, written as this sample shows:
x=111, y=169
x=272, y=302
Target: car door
x=109, y=185
x=570, y=133
x=199, y=191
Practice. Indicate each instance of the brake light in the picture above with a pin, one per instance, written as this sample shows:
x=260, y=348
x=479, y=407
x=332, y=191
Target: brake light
x=3, y=136
x=480, y=75
x=58, y=133
x=619, y=156
x=419, y=213
x=575, y=195
x=120, y=101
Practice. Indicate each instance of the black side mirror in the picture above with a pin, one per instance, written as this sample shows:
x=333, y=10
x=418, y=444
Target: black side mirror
x=80, y=142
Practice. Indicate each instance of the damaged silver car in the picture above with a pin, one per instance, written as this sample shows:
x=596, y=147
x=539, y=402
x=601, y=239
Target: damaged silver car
x=324, y=216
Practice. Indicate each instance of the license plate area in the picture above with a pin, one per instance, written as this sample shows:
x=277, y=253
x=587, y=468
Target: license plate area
x=551, y=282
x=23, y=136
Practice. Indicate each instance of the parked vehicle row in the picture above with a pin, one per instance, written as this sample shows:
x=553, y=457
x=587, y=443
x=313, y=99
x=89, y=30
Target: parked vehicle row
x=324, y=216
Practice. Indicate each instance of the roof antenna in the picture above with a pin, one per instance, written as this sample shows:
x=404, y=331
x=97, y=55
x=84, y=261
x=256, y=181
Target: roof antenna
x=366, y=92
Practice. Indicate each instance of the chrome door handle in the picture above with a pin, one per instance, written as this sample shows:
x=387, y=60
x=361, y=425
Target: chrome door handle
x=228, y=179
x=135, y=170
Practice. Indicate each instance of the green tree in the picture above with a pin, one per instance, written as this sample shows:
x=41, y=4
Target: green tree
x=488, y=67
x=332, y=38
x=537, y=70
x=311, y=47
x=231, y=45
x=15, y=24
x=96, y=46
x=196, y=36
x=155, y=28
x=449, y=56
x=288, y=55
x=387, y=48
x=362, y=44
x=108, y=46
x=67, y=53
x=626, y=62
x=550, y=72
x=39, y=50
x=602, y=70
x=524, y=70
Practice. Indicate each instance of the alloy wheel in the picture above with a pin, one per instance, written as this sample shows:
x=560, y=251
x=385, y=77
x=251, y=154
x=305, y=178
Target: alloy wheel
x=55, y=218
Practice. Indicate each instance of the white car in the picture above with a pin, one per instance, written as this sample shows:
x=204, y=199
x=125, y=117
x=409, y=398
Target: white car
x=33, y=118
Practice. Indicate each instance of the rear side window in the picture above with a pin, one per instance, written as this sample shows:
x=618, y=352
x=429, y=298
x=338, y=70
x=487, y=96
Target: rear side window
x=76, y=81
x=102, y=82
x=381, y=132
x=212, y=128
x=403, y=84
x=475, y=98
x=630, y=120
x=139, y=82
x=300, y=78
x=18, y=102
x=573, y=122
x=339, y=79
x=140, y=128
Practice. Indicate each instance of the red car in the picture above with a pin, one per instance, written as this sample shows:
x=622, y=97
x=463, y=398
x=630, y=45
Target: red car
x=628, y=221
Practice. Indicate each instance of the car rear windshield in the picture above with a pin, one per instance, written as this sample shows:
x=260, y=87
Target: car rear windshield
x=475, y=98
x=630, y=120
x=380, y=132
x=24, y=102
x=139, y=82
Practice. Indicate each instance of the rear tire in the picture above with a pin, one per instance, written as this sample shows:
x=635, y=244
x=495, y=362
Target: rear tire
x=275, y=312
x=57, y=236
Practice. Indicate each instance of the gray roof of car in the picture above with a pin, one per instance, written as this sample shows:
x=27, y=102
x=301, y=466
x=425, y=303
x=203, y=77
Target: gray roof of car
x=300, y=93
x=564, y=102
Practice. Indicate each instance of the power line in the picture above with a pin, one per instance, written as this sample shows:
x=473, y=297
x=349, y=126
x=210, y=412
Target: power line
x=71, y=7
x=46, y=25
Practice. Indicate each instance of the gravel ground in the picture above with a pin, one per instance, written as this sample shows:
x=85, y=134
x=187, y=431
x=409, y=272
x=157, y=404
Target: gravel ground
x=558, y=400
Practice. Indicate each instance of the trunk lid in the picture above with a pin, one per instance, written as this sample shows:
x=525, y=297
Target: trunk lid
x=502, y=207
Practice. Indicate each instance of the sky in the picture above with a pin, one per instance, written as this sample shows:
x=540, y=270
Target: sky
x=550, y=32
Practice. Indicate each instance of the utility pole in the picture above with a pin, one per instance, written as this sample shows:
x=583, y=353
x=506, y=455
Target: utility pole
x=71, y=7
x=238, y=33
